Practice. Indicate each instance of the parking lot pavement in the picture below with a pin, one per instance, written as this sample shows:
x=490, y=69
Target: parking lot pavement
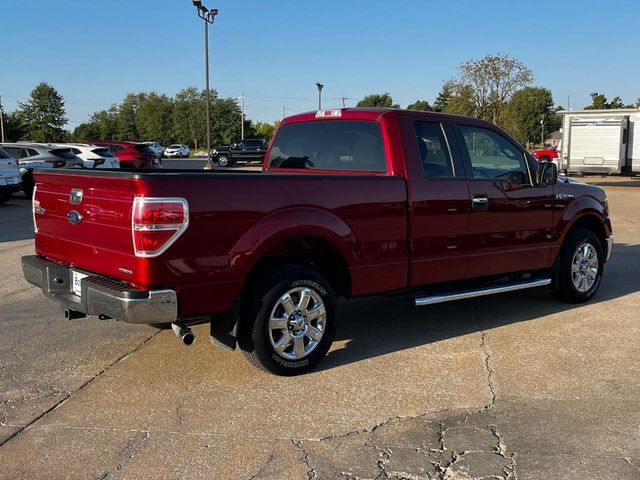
x=511, y=386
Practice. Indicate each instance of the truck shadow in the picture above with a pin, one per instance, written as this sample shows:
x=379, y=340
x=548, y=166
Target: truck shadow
x=16, y=221
x=377, y=326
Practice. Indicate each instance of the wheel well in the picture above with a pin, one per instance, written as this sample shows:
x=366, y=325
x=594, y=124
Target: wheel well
x=593, y=223
x=312, y=252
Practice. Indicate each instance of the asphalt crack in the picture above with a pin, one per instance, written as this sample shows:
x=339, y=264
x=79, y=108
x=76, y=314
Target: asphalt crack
x=263, y=468
x=489, y=370
x=311, y=472
x=77, y=390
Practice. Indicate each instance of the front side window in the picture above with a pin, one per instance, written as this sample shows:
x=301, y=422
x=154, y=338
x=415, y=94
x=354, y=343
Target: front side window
x=433, y=150
x=341, y=145
x=493, y=156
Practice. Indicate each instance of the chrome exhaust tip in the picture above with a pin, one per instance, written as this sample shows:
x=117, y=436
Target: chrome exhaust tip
x=184, y=334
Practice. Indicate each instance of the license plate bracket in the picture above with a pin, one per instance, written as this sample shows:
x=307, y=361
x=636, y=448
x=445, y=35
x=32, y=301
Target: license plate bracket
x=76, y=282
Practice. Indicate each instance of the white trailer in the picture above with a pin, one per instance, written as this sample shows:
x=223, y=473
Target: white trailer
x=600, y=141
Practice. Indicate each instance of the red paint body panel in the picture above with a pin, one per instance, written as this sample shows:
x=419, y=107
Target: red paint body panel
x=394, y=230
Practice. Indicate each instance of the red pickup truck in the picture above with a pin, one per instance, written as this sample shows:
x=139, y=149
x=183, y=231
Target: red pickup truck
x=349, y=202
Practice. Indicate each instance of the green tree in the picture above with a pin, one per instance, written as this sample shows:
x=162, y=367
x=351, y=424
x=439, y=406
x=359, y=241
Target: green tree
x=154, y=118
x=461, y=100
x=43, y=115
x=599, y=102
x=127, y=116
x=492, y=81
x=443, y=98
x=527, y=109
x=421, y=105
x=266, y=130
x=381, y=100
x=13, y=128
x=189, y=117
x=638, y=102
x=225, y=118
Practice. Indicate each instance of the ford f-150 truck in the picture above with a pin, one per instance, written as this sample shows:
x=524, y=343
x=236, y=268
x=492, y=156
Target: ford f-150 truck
x=349, y=202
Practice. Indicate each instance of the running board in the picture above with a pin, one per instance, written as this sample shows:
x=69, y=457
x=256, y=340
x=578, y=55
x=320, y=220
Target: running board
x=511, y=287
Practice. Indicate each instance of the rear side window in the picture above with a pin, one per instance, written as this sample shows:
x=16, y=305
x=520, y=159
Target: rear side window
x=493, y=156
x=103, y=152
x=341, y=145
x=433, y=150
x=65, y=153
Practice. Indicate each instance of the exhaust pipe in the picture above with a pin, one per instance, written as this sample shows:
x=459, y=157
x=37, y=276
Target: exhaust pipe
x=184, y=334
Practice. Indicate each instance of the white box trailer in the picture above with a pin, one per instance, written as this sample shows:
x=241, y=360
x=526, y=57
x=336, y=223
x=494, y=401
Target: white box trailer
x=600, y=141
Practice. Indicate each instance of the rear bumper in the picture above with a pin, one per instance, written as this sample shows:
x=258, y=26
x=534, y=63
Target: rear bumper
x=100, y=295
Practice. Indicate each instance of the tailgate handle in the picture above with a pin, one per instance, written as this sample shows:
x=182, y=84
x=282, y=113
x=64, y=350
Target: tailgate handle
x=480, y=202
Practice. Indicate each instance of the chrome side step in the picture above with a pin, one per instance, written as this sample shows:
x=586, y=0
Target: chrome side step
x=449, y=297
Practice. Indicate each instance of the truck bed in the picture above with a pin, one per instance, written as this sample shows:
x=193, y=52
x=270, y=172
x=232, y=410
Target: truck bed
x=234, y=218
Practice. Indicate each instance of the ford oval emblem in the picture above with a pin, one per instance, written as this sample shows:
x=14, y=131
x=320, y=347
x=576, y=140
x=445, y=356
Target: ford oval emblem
x=74, y=217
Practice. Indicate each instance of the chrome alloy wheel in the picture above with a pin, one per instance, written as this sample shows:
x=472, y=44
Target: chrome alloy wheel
x=584, y=267
x=297, y=323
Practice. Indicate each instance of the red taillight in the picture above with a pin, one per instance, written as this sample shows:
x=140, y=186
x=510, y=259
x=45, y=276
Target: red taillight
x=156, y=223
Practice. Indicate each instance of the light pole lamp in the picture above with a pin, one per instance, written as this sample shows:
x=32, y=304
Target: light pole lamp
x=320, y=86
x=208, y=16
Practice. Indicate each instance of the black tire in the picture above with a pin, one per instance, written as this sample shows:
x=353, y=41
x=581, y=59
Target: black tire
x=258, y=333
x=4, y=197
x=28, y=183
x=544, y=159
x=223, y=161
x=574, y=283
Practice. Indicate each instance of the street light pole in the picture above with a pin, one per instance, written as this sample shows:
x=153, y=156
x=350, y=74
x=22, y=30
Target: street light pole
x=208, y=16
x=241, y=97
x=320, y=86
x=1, y=120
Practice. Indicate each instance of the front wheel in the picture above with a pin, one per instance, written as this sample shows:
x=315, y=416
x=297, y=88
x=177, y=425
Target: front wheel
x=580, y=267
x=223, y=161
x=289, y=325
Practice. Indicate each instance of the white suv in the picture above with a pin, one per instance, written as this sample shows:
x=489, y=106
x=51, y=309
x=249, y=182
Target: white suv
x=9, y=176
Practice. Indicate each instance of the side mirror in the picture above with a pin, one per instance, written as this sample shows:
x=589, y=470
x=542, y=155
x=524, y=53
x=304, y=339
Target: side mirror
x=547, y=173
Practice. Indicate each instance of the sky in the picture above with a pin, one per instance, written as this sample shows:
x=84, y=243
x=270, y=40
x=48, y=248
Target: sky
x=274, y=51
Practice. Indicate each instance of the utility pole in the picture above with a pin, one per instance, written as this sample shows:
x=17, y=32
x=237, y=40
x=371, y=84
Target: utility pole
x=344, y=105
x=542, y=124
x=1, y=119
x=241, y=97
x=320, y=86
x=284, y=113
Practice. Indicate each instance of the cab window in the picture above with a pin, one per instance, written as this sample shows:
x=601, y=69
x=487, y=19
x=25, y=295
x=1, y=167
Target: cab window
x=433, y=150
x=492, y=156
x=340, y=145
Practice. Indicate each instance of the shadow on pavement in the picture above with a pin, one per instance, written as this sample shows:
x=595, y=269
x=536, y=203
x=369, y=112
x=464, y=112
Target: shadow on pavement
x=380, y=325
x=16, y=221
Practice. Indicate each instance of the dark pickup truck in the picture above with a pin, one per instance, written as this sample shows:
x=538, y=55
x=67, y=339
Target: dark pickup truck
x=349, y=202
x=250, y=150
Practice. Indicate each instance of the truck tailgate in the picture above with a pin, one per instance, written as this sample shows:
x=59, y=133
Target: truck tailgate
x=85, y=221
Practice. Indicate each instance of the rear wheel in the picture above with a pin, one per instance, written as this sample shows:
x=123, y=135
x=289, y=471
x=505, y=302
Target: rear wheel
x=580, y=267
x=289, y=325
x=4, y=197
x=544, y=159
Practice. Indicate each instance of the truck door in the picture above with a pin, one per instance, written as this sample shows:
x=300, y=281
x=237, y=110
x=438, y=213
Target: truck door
x=438, y=202
x=511, y=219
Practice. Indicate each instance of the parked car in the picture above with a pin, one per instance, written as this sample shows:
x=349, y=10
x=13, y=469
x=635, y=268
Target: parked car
x=132, y=155
x=177, y=150
x=250, y=150
x=10, y=181
x=547, y=154
x=39, y=155
x=94, y=156
x=156, y=147
x=350, y=202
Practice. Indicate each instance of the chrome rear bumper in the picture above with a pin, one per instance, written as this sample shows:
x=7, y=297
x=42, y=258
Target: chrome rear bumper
x=100, y=295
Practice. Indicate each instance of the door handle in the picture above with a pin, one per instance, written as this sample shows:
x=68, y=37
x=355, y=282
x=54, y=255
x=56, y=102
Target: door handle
x=480, y=202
